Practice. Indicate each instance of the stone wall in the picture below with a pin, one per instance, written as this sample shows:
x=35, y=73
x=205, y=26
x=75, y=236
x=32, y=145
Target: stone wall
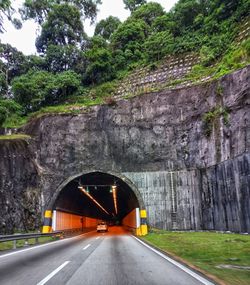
x=173, y=68
x=216, y=198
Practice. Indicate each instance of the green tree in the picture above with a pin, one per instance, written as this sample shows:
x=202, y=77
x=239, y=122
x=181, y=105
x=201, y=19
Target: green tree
x=62, y=86
x=13, y=59
x=7, y=109
x=62, y=27
x=5, y=8
x=132, y=5
x=185, y=12
x=30, y=89
x=3, y=79
x=129, y=38
x=6, y=11
x=3, y=115
x=164, y=23
x=36, y=89
x=100, y=67
x=222, y=9
x=148, y=13
x=34, y=62
x=63, y=58
x=63, y=40
x=39, y=9
x=106, y=28
x=128, y=33
x=158, y=45
x=97, y=42
x=12, y=64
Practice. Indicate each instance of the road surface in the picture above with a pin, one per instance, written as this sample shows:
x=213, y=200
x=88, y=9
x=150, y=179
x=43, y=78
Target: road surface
x=113, y=258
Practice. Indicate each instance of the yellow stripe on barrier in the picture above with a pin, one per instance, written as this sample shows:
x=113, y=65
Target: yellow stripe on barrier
x=48, y=214
x=144, y=230
x=143, y=213
x=47, y=229
x=138, y=231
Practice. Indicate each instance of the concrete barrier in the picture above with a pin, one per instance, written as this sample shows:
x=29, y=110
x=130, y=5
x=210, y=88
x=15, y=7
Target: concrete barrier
x=136, y=221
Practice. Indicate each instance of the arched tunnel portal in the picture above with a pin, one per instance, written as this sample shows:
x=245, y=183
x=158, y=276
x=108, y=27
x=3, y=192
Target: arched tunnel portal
x=92, y=195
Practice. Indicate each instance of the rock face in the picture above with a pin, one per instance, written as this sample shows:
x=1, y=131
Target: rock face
x=20, y=192
x=186, y=150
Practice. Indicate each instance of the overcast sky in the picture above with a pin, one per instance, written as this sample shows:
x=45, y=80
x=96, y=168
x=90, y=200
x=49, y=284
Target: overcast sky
x=24, y=39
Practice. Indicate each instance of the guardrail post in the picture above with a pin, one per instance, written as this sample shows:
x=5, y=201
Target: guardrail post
x=26, y=237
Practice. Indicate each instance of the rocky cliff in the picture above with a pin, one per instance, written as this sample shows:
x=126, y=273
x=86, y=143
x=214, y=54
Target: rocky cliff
x=202, y=131
x=20, y=192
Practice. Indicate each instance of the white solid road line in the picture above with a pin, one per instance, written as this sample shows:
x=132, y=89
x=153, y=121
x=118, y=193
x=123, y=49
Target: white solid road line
x=46, y=279
x=42, y=245
x=97, y=237
x=190, y=272
x=86, y=246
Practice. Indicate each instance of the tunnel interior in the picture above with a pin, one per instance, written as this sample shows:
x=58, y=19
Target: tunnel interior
x=79, y=196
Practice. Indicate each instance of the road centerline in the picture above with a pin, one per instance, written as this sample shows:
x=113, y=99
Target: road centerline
x=53, y=273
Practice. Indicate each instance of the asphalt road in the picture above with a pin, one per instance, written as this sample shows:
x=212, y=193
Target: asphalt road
x=113, y=258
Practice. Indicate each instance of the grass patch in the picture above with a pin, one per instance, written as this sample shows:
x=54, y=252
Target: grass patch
x=104, y=90
x=15, y=137
x=97, y=95
x=20, y=243
x=207, y=250
x=76, y=108
x=15, y=121
x=78, y=104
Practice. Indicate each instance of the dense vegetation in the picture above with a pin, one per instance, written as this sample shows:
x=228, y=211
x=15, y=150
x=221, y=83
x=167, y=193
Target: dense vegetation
x=70, y=63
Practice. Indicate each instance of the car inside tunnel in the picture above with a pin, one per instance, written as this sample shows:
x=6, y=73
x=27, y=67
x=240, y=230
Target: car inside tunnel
x=97, y=195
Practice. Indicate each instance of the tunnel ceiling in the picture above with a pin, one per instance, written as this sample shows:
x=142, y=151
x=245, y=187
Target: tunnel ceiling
x=72, y=199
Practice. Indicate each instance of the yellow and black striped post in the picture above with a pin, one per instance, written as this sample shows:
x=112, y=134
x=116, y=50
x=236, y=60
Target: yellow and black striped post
x=143, y=229
x=47, y=222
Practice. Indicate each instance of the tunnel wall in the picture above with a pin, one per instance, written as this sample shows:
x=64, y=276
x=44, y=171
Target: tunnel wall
x=171, y=198
x=131, y=219
x=217, y=198
x=66, y=221
x=186, y=150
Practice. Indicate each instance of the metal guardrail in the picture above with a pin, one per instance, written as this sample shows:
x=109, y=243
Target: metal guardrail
x=26, y=237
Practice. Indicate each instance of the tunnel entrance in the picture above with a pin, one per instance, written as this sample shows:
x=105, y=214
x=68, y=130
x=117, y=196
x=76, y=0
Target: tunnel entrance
x=97, y=196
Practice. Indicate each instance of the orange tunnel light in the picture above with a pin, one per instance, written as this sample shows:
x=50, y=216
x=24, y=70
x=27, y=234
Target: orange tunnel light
x=93, y=199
